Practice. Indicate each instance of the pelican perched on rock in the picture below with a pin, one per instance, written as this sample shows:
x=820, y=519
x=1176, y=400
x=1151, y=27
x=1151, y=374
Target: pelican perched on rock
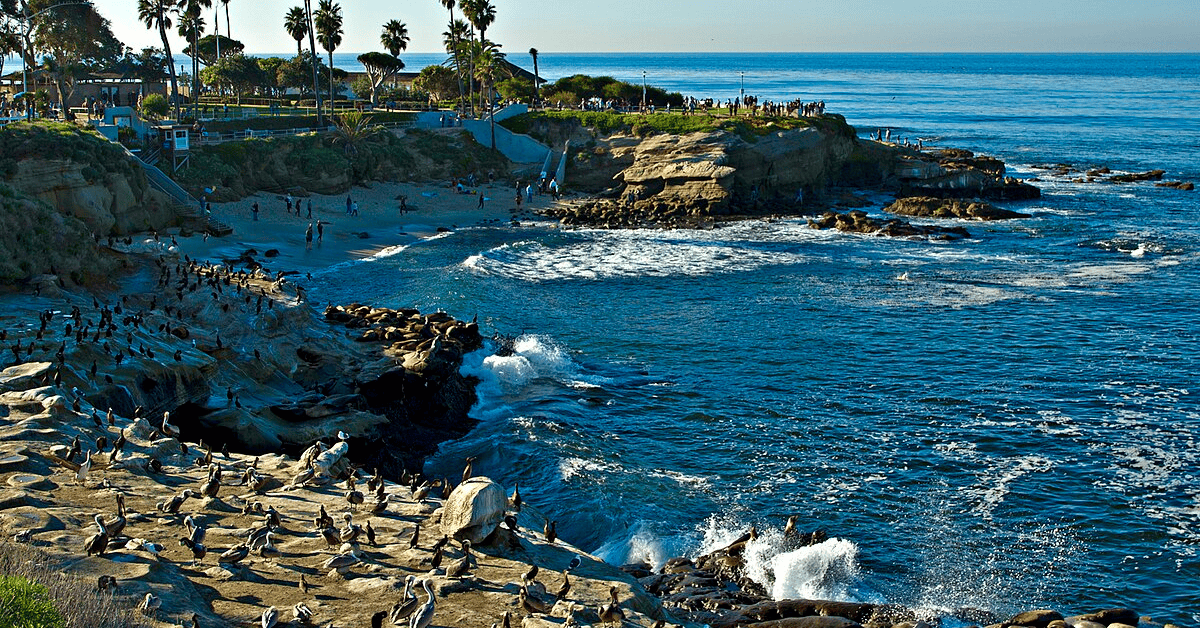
x=407, y=604
x=302, y=613
x=531, y=603
x=85, y=467
x=116, y=525
x=198, y=549
x=342, y=562
x=270, y=617
x=150, y=604
x=268, y=549
x=97, y=543
x=351, y=531
x=235, y=554
x=424, y=615
x=212, y=485
x=459, y=568
x=167, y=428
x=172, y=506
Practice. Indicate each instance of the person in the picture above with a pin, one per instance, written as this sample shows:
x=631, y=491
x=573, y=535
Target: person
x=348, y=203
x=520, y=197
x=529, y=193
x=309, y=208
x=403, y=204
x=799, y=196
x=554, y=188
x=254, y=210
x=289, y=204
x=320, y=231
x=308, y=237
x=354, y=208
x=480, y=200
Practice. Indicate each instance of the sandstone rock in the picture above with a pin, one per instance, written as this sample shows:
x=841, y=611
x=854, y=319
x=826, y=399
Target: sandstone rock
x=24, y=376
x=1134, y=177
x=1108, y=616
x=1036, y=619
x=474, y=509
x=1186, y=186
x=858, y=222
x=950, y=208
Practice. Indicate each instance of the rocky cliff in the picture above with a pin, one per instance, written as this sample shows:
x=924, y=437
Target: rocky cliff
x=63, y=188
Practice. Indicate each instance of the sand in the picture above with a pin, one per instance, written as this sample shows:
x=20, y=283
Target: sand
x=431, y=207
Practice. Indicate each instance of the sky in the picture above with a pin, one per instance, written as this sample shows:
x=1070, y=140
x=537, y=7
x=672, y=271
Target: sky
x=735, y=25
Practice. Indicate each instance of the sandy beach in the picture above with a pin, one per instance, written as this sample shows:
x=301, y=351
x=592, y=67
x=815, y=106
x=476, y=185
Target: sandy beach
x=430, y=207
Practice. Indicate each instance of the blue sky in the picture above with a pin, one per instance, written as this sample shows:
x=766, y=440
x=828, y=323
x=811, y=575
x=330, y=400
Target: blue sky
x=740, y=25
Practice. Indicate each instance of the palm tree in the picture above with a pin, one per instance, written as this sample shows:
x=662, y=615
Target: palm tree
x=296, y=24
x=481, y=13
x=537, y=92
x=191, y=25
x=328, y=25
x=449, y=4
x=156, y=14
x=227, y=24
x=453, y=38
x=395, y=37
x=489, y=61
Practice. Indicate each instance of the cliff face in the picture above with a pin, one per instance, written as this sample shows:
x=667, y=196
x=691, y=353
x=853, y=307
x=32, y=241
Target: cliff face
x=109, y=204
x=37, y=241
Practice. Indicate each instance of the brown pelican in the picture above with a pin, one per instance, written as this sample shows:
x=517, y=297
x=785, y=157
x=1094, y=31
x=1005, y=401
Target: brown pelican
x=149, y=604
x=268, y=549
x=424, y=615
x=172, y=506
x=459, y=568
x=407, y=604
x=212, y=485
x=97, y=543
x=302, y=613
x=342, y=562
x=270, y=617
x=235, y=554
x=532, y=604
x=116, y=525
x=85, y=467
x=198, y=549
x=564, y=588
x=350, y=531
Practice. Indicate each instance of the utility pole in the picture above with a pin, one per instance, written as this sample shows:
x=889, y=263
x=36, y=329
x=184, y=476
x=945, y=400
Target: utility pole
x=743, y=94
x=643, y=90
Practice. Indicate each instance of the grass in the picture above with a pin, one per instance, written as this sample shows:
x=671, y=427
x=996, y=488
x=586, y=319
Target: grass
x=608, y=123
x=61, y=140
x=276, y=123
x=46, y=598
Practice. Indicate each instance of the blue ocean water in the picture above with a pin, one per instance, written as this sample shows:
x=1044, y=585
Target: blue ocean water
x=1005, y=423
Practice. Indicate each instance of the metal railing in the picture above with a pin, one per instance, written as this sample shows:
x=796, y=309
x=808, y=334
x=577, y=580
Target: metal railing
x=217, y=138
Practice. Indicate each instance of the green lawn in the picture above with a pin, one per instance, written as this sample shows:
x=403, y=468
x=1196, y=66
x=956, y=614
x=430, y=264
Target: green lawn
x=607, y=123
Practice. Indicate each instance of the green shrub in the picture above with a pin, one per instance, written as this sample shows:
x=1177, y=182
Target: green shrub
x=26, y=604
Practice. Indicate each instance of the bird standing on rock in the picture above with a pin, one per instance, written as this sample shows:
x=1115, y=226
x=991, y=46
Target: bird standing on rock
x=468, y=469
x=97, y=543
x=270, y=617
x=550, y=532
x=612, y=613
x=459, y=568
x=424, y=615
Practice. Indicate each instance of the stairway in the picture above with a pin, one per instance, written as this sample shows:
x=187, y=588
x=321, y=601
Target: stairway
x=184, y=204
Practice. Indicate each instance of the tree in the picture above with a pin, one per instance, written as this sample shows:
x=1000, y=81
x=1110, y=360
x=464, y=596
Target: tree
x=270, y=73
x=328, y=27
x=73, y=39
x=227, y=24
x=395, y=37
x=296, y=24
x=191, y=25
x=208, y=46
x=156, y=14
x=537, y=92
x=489, y=63
x=516, y=88
x=298, y=72
x=452, y=43
x=10, y=42
x=380, y=66
x=439, y=81
x=237, y=72
x=154, y=107
x=455, y=40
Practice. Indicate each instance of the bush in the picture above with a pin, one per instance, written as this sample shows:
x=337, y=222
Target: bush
x=43, y=597
x=155, y=107
x=26, y=604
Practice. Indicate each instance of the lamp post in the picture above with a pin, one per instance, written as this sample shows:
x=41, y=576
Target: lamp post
x=26, y=45
x=643, y=90
x=743, y=94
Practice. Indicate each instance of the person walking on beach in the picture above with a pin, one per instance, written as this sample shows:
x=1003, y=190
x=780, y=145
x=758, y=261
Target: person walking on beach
x=254, y=210
x=354, y=209
x=288, y=199
x=308, y=237
x=320, y=231
x=554, y=188
x=348, y=203
x=309, y=208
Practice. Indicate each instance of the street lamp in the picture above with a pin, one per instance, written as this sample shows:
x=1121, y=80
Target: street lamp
x=643, y=90
x=743, y=94
x=26, y=46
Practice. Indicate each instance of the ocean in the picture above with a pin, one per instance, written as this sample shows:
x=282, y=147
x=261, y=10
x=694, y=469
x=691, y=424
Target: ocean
x=1003, y=423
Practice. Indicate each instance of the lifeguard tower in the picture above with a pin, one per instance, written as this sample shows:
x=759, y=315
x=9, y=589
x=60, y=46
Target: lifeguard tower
x=175, y=142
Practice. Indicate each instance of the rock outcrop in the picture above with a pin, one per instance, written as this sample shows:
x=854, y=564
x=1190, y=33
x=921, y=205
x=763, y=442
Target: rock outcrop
x=856, y=221
x=474, y=509
x=927, y=207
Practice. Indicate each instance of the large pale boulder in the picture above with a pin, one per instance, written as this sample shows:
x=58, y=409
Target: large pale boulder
x=474, y=509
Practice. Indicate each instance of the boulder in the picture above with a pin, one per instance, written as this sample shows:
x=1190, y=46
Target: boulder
x=1134, y=177
x=1037, y=619
x=24, y=376
x=950, y=208
x=1107, y=617
x=474, y=509
x=807, y=622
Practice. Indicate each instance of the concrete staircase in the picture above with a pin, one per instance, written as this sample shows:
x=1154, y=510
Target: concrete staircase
x=188, y=208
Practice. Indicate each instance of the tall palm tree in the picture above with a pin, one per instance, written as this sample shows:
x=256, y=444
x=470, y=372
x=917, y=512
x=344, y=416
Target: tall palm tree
x=449, y=4
x=227, y=23
x=481, y=14
x=328, y=25
x=537, y=92
x=454, y=39
x=157, y=14
x=489, y=63
x=191, y=25
x=296, y=24
x=395, y=37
